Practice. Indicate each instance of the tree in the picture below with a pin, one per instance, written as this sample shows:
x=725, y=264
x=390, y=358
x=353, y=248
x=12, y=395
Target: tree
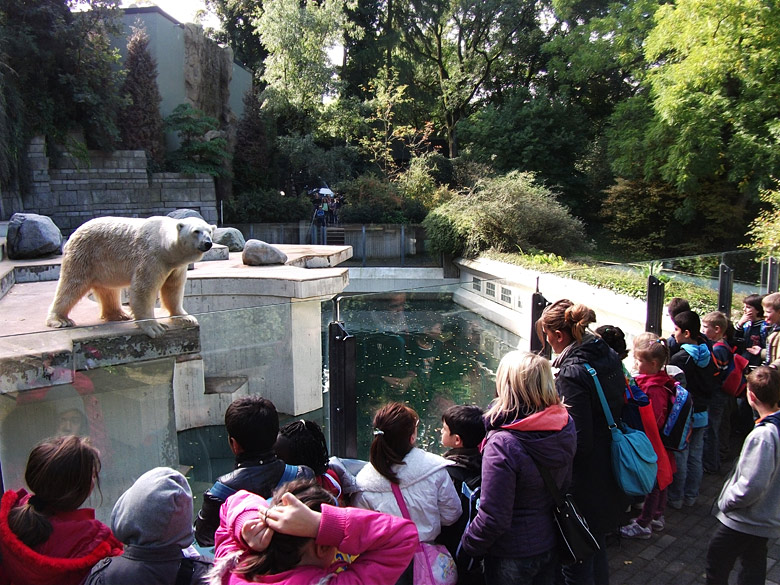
x=140, y=121
x=458, y=43
x=716, y=84
x=297, y=36
x=203, y=148
x=765, y=228
x=61, y=73
x=239, y=31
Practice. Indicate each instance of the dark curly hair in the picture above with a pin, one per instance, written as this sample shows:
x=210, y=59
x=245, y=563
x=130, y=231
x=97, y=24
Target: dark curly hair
x=285, y=551
x=302, y=442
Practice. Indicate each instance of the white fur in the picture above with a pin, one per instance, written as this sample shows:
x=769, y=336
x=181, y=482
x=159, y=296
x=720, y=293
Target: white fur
x=147, y=255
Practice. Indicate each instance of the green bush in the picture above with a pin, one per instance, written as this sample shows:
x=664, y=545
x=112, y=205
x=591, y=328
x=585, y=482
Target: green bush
x=268, y=206
x=507, y=213
x=197, y=154
x=370, y=199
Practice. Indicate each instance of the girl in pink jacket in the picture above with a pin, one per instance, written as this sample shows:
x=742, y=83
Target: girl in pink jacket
x=294, y=541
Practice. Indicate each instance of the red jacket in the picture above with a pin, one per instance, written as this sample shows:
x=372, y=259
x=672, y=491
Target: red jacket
x=76, y=544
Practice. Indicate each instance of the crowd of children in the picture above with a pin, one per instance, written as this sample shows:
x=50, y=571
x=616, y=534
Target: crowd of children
x=288, y=513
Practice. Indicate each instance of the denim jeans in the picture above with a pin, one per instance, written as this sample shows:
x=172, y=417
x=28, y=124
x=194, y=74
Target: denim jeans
x=726, y=547
x=687, y=478
x=536, y=570
x=716, y=411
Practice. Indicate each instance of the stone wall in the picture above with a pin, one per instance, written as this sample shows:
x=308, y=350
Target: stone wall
x=72, y=191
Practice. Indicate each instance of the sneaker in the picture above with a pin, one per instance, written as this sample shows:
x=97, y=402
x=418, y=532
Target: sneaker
x=634, y=530
x=658, y=524
x=676, y=504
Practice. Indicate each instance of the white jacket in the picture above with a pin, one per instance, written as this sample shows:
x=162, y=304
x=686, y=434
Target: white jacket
x=426, y=486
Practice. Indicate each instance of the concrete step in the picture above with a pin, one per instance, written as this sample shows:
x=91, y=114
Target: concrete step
x=335, y=236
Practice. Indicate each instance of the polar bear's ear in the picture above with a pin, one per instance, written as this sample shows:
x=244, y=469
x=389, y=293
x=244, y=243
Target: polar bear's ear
x=179, y=226
x=213, y=227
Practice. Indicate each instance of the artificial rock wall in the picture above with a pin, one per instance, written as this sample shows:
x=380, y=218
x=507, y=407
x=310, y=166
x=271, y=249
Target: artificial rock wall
x=72, y=191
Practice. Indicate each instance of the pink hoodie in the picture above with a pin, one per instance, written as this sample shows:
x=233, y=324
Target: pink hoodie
x=385, y=545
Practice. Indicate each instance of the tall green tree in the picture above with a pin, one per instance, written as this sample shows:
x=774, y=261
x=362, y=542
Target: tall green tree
x=140, y=121
x=458, y=43
x=61, y=69
x=717, y=83
x=298, y=36
x=239, y=31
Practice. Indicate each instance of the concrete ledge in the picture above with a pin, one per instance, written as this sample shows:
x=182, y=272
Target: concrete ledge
x=383, y=279
x=27, y=360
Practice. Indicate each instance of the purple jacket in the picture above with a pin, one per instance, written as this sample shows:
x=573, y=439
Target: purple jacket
x=515, y=517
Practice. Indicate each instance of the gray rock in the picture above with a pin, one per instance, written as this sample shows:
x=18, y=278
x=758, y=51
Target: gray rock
x=317, y=262
x=257, y=253
x=216, y=252
x=32, y=236
x=184, y=213
x=230, y=237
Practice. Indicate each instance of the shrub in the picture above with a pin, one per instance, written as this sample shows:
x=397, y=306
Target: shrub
x=371, y=200
x=508, y=213
x=197, y=153
x=267, y=206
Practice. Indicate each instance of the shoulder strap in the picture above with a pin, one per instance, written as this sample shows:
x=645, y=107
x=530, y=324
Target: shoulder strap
x=185, y=572
x=604, y=406
x=399, y=497
x=289, y=474
x=220, y=491
x=549, y=484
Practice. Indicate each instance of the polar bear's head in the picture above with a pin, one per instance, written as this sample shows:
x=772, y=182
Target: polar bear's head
x=197, y=232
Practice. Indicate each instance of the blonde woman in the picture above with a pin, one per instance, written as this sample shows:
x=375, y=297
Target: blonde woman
x=528, y=426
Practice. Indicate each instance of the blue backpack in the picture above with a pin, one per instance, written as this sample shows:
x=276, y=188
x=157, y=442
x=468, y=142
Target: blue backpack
x=679, y=422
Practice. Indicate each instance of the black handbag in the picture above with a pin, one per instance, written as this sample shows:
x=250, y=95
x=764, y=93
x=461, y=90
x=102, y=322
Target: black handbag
x=575, y=541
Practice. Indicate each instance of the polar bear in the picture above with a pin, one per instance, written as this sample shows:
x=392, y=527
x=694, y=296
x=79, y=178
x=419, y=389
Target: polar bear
x=107, y=254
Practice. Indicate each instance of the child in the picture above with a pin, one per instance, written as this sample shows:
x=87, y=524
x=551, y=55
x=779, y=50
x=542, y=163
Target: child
x=675, y=306
x=422, y=477
x=307, y=531
x=462, y=430
x=529, y=430
x=301, y=442
x=252, y=424
x=44, y=536
x=153, y=518
x=715, y=327
x=751, y=330
x=650, y=357
x=749, y=503
x=771, y=354
x=694, y=359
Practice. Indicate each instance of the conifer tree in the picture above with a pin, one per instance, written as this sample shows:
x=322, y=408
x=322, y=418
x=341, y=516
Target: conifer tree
x=140, y=122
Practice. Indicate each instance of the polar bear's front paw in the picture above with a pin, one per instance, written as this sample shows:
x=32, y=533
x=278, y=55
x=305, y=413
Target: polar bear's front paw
x=151, y=327
x=58, y=321
x=187, y=320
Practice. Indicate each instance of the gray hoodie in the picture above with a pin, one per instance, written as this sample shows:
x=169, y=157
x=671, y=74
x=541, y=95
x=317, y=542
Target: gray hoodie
x=750, y=499
x=153, y=519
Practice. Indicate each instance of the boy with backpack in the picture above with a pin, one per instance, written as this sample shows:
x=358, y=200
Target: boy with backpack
x=716, y=328
x=694, y=359
x=463, y=430
x=252, y=424
x=771, y=354
x=749, y=503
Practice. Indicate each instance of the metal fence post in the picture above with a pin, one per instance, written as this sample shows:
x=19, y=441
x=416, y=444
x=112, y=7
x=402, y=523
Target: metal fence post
x=725, y=289
x=655, y=305
x=403, y=242
x=772, y=274
x=538, y=304
x=363, y=241
x=343, y=398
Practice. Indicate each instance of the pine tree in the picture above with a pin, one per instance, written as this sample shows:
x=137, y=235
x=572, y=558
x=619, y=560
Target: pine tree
x=140, y=122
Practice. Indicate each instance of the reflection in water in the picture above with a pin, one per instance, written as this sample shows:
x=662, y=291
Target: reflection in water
x=423, y=350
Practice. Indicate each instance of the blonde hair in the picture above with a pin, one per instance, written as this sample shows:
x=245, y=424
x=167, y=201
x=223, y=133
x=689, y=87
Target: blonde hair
x=649, y=346
x=566, y=317
x=524, y=385
x=772, y=300
x=717, y=319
